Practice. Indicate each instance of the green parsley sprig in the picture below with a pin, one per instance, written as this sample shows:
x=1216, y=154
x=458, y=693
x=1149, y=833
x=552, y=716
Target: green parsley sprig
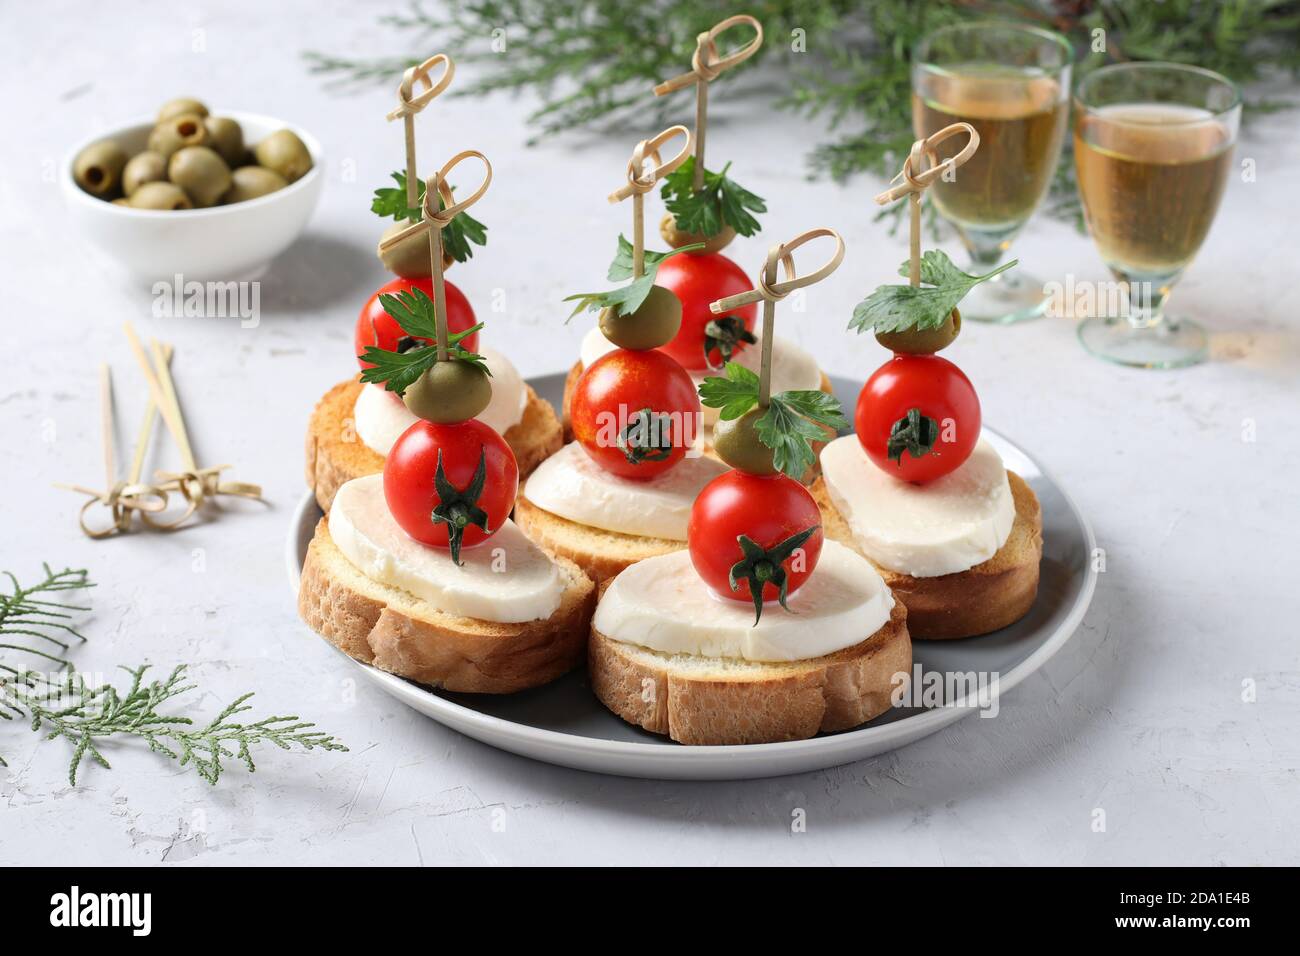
x=900, y=308
x=793, y=420
x=626, y=299
x=721, y=202
x=390, y=203
x=414, y=312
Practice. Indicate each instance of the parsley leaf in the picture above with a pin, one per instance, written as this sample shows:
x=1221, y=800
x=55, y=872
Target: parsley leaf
x=792, y=422
x=900, y=308
x=627, y=299
x=457, y=235
x=720, y=202
x=414, y=312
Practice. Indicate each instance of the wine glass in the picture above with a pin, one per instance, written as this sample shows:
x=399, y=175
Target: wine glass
x=1010, y=82
x=1153, y=145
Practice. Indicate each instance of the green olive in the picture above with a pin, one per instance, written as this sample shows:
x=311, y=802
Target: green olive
x=160, y=196
x=181, y=105
x=146, y=167
x=227, y=138
x=250, y=182
x=203, y=174
x=677, y=238
x=410, y=257
x=451, y=391
x=121, y=201
x=654, y=323
x=177, y=132
x=736, y=442
x=923, y=341
x=98, y=168
x=285, y=153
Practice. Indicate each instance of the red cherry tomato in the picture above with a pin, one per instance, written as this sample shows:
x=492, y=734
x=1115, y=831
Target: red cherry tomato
x=410, y=478
x=767, y=509
x=377, y=327
x=949, y=416
x=610, y=419
x=697, y=281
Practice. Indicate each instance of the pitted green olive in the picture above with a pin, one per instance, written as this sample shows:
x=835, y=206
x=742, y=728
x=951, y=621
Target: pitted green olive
x=736, y=442
x=226, y=137
x=203, y=174
x=410, y=257
x=177, y=132
x=654, y=323
x=923, y=341
x=250, y=182
x=285, y=153
x=677, y=238
x=98, y=168
x=160, y=196
x=451, y=391
x=181, y=105
x=146, y=167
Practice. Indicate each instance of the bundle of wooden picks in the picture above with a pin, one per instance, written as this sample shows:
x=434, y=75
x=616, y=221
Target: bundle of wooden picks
x=126, y=498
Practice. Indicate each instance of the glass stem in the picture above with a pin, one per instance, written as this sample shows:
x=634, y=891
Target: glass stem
x=1146, y=302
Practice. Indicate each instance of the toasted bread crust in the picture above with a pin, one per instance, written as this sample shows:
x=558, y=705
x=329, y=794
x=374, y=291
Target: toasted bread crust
x=418, y=642
x=601, y=554
x=989, y=596
x=761, y=704
x=336, y=455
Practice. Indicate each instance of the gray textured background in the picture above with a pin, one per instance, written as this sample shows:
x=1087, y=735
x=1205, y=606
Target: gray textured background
x=1140, y=715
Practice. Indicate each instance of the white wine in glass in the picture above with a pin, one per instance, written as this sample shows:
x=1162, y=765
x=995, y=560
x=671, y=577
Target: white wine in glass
x=1011, y=83
x=1153, y=146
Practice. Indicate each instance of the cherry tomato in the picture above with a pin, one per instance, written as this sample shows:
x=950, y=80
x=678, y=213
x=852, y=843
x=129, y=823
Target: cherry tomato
x=946, y=419
x=768, y=509
x=377, y=327
x=698, y=280
x=410, y=478
x=635, y=413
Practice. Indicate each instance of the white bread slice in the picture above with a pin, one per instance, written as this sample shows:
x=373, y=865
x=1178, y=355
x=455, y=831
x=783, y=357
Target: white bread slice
x=404, y=635
x=335, y=455
x=708, y=700
x=989, y=596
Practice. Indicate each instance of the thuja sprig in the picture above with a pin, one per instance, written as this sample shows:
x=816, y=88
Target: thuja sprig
x=414, y=312
x=62, y=704
x=390, y=203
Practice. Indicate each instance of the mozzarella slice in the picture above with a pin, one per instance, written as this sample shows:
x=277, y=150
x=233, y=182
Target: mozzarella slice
x=661, y=603
x=570, y=484
x=943, y=526
x=507, y=578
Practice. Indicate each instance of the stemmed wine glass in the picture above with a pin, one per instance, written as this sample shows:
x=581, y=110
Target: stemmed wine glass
x=1011, y=82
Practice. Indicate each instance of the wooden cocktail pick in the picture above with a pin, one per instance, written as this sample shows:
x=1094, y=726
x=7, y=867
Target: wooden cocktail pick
x=641, y=180
x=409, y=104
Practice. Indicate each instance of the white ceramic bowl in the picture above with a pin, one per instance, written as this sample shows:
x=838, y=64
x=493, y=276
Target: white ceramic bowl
x=221, y=242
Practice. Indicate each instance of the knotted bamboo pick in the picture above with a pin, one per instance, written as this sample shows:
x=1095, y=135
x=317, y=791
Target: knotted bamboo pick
x=641, y=180
x=706, y=66
x=772, y=292
x=433, y=221
x=915, y=180
x=408, y=105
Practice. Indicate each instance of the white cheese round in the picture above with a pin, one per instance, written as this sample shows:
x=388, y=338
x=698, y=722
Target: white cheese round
x=507, y=578
x=792, y=366
x=661, y=603
x=380, y=416
x=570, y=484
x=940, y=527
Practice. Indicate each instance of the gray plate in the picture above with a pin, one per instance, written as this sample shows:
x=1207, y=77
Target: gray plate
x=564, y=724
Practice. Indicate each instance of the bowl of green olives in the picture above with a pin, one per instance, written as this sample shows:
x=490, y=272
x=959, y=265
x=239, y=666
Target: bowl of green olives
x=204, y=194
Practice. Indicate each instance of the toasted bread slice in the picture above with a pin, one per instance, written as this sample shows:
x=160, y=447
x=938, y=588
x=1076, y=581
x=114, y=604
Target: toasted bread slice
x=571, y=380
x=709, y=700
x=404, y=635
x=601, y=554
x=989, y=596
x=335, y=455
